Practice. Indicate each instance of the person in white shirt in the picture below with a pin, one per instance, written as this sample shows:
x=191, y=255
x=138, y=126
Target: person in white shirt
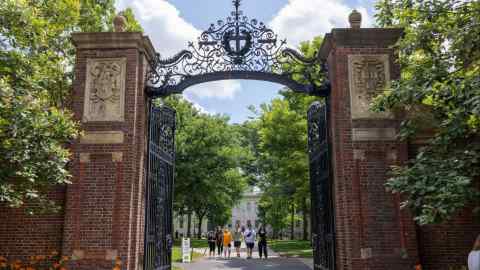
x=249, y=236
x=474, y=256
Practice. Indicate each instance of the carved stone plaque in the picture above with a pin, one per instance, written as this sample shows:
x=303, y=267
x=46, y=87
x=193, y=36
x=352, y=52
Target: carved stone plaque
x=368, y=77
x=104, y=89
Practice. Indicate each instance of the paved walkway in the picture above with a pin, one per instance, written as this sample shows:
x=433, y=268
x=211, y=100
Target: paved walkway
x=274, y=262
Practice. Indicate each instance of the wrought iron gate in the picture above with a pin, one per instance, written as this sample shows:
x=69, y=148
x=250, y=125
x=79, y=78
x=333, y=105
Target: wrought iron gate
x=323, y=229
x=159, y=188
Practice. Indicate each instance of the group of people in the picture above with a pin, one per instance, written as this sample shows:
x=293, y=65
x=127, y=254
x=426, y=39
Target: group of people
x=221, y=240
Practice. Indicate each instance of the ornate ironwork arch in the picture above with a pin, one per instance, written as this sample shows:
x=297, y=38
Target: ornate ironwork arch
x=235, y=48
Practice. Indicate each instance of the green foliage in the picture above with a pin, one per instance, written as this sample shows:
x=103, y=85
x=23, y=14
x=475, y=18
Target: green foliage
x=439, y=92
x=281, y=146
x=32, y=153
x=208, y=176
x=132, y=24
x=308, y=73
x=36, y=64
x=273, y=209
x=282, y=129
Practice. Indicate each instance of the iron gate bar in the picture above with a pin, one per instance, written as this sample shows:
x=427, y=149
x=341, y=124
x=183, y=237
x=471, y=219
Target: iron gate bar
x=235, y=48
x=321, y=185
x=159, y=187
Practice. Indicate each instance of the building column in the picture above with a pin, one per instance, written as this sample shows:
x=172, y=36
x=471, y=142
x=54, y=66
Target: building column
x=104, y=211
x=371, y=232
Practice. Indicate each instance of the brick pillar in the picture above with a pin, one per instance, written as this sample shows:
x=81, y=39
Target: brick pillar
x=104, y=206
x=371, y=231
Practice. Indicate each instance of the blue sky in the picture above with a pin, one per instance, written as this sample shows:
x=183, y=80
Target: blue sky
x=171, y=24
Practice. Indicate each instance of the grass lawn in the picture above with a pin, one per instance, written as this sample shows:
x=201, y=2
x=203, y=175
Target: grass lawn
x=292, y=248
x=194, y=243
x=177, y=254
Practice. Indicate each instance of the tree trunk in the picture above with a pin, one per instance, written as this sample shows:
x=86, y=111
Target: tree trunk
x=292, y=228
x=199, y=231
x=305, y=219
x=189, y=224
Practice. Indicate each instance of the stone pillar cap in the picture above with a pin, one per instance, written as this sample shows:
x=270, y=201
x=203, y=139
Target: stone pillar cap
x=355, y=19
x=119, y=23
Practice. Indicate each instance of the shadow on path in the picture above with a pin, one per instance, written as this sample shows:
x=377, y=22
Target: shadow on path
x=244, y=264
x=274, y=262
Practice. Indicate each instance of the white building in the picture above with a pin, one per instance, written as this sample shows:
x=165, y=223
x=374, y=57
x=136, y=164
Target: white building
x=242, y=213
x=247, y=209
x=180, y=225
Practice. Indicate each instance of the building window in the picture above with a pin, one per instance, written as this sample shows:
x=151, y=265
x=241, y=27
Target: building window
x=181, y=222
x=298, y=223
x=248, y=206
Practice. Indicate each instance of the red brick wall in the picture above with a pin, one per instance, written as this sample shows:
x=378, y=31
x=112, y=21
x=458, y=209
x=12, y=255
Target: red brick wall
x=23, y=235
x=367, y=217
x=104, y=204
x=448, y=244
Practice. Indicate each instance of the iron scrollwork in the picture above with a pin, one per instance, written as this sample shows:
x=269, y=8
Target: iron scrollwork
x=235, y=48
x=159, y=188
x=323, y=228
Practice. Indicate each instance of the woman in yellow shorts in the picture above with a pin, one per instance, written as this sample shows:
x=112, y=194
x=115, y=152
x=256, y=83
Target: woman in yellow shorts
x=227, y=243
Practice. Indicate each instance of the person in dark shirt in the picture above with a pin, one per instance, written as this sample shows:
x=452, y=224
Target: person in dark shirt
x=262, y=242
x=211, y=243
x=219, y=239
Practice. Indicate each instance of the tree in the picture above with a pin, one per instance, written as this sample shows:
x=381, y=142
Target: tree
x=208, y=175
x=132, y=24
x=282, y=142
x=32, y=154
x=36, y=60
x=439, y=92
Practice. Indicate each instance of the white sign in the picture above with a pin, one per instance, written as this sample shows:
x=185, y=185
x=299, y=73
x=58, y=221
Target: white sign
x=186, y=254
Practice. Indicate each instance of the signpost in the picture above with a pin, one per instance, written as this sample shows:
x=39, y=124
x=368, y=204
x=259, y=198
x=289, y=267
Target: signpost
x=186, y=254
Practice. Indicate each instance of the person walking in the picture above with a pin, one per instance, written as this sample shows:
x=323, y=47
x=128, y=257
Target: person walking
x=262, y=243
x=219, y=241
x=227, y=243
x=211, y=237
x=249, y=236
x=474, y=256
x=237, y=239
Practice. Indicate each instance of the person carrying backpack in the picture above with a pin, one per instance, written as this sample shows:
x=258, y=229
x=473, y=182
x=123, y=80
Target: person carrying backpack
x=249, y=236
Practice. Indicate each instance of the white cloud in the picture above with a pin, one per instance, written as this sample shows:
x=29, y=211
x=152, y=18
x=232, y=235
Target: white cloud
x=225, y=89
x=302, y=20
x=170, y=34
x=198, y=106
